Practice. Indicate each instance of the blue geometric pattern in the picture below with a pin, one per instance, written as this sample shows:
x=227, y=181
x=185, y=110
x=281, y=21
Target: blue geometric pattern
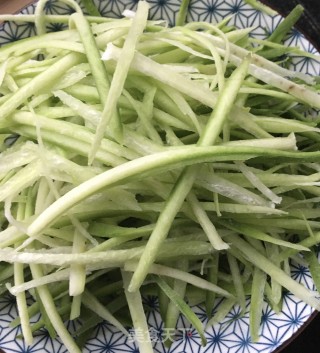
x=232, y=334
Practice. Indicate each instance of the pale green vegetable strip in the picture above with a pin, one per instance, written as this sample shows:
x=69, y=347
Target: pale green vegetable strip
x=110, y=258
x=78, y=132
x=206, y=223
x=278, y=125
x=275, y=272
x=3, y=69
x=212, y=277
x=182, y=14
x=224, y=308
x=145, y=119
x=77, y=279
x=258, y=5
x=267, y=92
x=39, y=14
x=286, y=25
x=19, y=274
x=314, y=266
x=93, y=54
x=52, y=312
x=17, y=157
x=281, y=143
x=90, y=301
x=39, y=83
x=183, y=307
x=260, y=67
x=21, y=180
x=180, y=275
x=256, y=303
x=260, y=235
x=23, y=45
x=22, y=304
x=58, y=276
x=168, y=76
x=140, y=324
x=172, y=311
x=275, y=296
x=152, y=165
x=76, y=301
x=48, y=18
x=57, y=44
x=109, y=114
x=91, y=7
x=183, y=105
x=237, y=281
x=45, y=320
x=10, y=236
x=219, y=65
x=187, y=177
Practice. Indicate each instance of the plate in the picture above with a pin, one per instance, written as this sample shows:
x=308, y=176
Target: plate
x=232, y=334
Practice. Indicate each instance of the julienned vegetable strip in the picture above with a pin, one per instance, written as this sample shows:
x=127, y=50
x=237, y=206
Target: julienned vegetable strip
x=91, y=7
x=54, y=316
x=180, y=275
x=184, y=308
x=203, y=168
x=90, y=301
x=98, y=70
x=187, y=177
x=39, y=14
x=109, y=118
x=39, y=83
x=257, y=295
x=275, y=272
x=140, y=324
x=155, y=164
x=107, y=259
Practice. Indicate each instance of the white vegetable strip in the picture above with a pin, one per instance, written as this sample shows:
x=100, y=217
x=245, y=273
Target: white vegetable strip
x=82, y=109
x=254, y=179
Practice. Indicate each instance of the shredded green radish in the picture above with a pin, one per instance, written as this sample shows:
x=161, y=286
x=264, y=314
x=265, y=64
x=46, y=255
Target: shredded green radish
x=141, y=159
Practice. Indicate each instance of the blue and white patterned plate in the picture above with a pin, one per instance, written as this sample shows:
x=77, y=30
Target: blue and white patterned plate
x=232, y=334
